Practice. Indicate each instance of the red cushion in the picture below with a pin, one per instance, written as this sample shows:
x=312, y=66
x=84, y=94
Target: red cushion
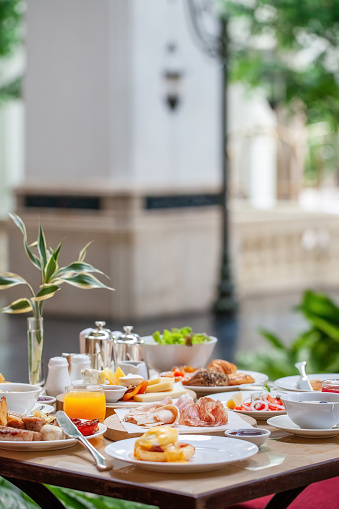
x=320, y=494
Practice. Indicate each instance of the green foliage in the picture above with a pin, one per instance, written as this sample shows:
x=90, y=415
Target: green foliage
x=11, y=14
x=319, y=345
x=11, y=498
x=11, y=36
x=290, y=46
x=78, y=273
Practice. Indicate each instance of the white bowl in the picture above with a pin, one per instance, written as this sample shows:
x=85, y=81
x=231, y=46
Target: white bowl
x=20, y=397
x=114, y=392
x=46, y=400
x=312, y=410
x=164, y=357
x=257, y=436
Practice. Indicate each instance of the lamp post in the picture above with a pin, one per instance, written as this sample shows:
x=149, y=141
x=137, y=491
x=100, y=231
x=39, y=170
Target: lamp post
x=210, y=32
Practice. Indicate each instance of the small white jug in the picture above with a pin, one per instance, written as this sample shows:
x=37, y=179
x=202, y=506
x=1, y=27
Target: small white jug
x=134, y=367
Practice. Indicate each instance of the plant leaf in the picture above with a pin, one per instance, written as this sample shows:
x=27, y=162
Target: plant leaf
x=82, y=253
x=78, y=267
x=46, y=292
x=18, y=306
x=9, y=279
x=273, y=339
x=85, y=281
x=42, y=248
x=20, y=224
x=319, y=305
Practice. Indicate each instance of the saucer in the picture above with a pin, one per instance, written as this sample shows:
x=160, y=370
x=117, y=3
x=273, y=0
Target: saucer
x=283, y=422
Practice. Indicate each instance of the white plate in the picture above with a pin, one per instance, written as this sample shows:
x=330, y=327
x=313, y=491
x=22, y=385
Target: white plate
x=259, y=415
x=49, y=445
x=259, y=378
x=289, y=383
x=284, y=422
x=211, y=453
x=42, y=407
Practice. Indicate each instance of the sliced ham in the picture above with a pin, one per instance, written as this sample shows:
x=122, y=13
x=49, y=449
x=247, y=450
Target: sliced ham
x=183, y=401
x=157, y=416
x=205, y=412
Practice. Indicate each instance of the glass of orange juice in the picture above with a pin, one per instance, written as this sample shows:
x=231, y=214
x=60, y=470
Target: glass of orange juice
x=83, y=401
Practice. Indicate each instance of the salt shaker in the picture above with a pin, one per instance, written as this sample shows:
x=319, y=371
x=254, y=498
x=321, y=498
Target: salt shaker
x=58, y=377
x=79, y=362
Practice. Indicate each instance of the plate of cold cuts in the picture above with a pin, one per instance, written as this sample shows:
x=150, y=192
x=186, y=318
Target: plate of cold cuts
x=205, y=416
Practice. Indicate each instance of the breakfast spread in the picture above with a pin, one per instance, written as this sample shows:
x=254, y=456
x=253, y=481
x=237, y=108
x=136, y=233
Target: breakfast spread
x=161, y=444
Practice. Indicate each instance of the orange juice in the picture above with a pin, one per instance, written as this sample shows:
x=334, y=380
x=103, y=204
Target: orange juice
x=85, y=404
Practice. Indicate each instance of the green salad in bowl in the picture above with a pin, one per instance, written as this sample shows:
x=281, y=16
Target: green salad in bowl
x=177, y=347
x=184, y=336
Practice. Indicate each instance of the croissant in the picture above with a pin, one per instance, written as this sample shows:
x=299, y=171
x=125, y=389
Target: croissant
x=223, y=366
x=240, y=378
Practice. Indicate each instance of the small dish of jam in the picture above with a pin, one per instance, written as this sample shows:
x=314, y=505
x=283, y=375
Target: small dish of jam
x=47, y=400
x=257, y=436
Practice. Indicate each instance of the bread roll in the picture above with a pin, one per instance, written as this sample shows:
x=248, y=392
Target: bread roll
x=223, y=366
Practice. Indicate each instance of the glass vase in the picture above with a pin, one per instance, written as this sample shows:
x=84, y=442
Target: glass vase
x=35, y=334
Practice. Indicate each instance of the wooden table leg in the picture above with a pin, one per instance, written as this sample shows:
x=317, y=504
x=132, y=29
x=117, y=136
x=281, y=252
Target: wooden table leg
x=284, y=499
x=38, y=492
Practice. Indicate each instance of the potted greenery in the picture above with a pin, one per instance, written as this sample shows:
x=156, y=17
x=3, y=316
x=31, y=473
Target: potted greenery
x=78, y=273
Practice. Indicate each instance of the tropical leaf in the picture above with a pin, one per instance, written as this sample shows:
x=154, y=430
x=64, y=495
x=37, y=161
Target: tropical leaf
x=18, y=306
x=272, y=338
x=324, y=325
x=82, y=253
x=85, y=281
x=42, y=248
x=77, y=273
x=77, y=267
x=9, y=279
x=20, y=224
x=320, y=305
x=46, y=292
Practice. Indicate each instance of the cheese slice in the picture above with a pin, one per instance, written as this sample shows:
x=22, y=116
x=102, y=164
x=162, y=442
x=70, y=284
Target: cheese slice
x=160, y=379
x=92, y=376
x=160, y=387
x=148, y=397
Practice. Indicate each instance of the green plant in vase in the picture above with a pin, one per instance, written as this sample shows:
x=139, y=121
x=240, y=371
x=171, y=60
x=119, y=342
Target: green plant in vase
x=45, y=259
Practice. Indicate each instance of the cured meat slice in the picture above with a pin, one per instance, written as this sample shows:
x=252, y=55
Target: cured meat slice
x=183, y=401
x=205, y=412
x=157, y=416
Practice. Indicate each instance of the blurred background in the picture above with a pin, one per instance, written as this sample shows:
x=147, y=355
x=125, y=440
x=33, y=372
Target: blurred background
x=195, y=142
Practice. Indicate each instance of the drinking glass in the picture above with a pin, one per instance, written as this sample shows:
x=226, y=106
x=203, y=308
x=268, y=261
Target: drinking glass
x=330, y=385
x=83, y=401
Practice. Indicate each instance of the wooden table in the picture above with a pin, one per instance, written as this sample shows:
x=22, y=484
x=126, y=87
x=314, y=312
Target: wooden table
x=285, y=463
